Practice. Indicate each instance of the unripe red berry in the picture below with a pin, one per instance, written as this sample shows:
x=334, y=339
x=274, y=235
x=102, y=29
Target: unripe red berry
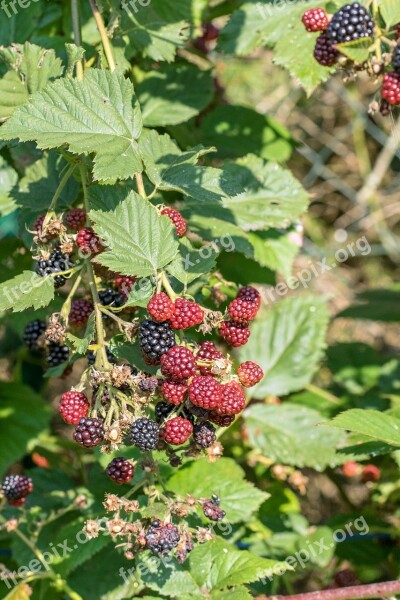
x=73, y=407
x=175, y=393
x=221, y=420
x=177, y=431
x=205, y=391
x=88, y=241
x=177, y=219
x=233, y=399
x=351, y=469
x=178, y=363
x=75, y=219
x=315, y=19
x=207, y=352
x=125, y=283
x=80, y=312
x=391, y=87
x=250, y=373
x=242, y=311
x=89, y=432
x=371, y=473
x=186, y=314
x=160, y=308
x=250, y=294
x=235, y=334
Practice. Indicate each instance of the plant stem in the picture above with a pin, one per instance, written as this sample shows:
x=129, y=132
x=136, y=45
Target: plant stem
x=103, y=34
x=314, y=389
x=140, y=185
x=67, y=304
x=168, y=288
x=370, y=590
x=77, y=35
x=61, y=186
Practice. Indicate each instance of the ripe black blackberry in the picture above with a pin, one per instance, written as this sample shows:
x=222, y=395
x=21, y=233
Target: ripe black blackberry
x=396, y=58
x=32, y=333
x=120, y=470
x=204, y=434
x=162, y=538
x=145, y=434
x=351, y=22
x=155, y=339
x=110, y=297
x=56, y=263
x=89, y=432
x=16, y=487
x=163, y=410
x=58, y=354
x=91, y=357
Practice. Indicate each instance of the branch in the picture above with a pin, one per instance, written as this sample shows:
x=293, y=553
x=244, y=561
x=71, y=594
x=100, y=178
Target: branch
x=103, y=34
x=371, y=590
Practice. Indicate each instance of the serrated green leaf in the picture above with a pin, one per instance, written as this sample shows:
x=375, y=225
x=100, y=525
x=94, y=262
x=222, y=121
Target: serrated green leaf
x=372, y=423
x=217, y=564
x=8, y=178
x=74, y=55
x=140, y=240
x=290, y=434
x=357, y=50
x=158, y=28
x=34, y=65
x=191, y=263
x=13, y=93
x=168, y=578
x=237, y=593
x=390, y=11
x=17, y=26
x=170, y=169
x=225, y=478
x=25, y=291
x=239, y=130
x=141, y=293
x=174, y=94
x=80, y=345
x=288, y=344
x=99, y=115
x=18, y=430
x=130, y=351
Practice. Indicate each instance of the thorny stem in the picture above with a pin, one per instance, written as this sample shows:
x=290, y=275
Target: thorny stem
x=384, y=589
x=103, y=34
x=77, y=35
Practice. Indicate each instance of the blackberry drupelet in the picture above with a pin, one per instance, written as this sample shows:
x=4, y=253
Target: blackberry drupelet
x=155, y=339
x=32, y=333
x=160, y=538
x=145, y=434
x=58, y=354
x=351, y=22
x=120, y=470
x=163, y=410
x=204, y=434
x=56, y=263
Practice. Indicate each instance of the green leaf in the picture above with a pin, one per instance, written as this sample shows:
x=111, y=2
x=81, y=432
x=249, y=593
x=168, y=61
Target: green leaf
x=140, y=240
x=158, y=28
x=217, y=564
x=357, y=50
x=25, y=291
x=170, y=169
x=323, y=539
x=390, y=11
x=290, y=434
x=99, y=115
x=80, y=345
x=8, y=178
x=191, y=263
x=174, y=94
x=141, y=293
x=21, y=592
x=376, y=305
x=19, y=431
x=17, y=25
x=272, y=197
x=239, y=130
x=372, y=423
x=226, y=479
x=288, y=344
x=168, y=578
x=74, y=54
x=237, y=593
x=274, y=250
x=13, y=93
x=34, y=65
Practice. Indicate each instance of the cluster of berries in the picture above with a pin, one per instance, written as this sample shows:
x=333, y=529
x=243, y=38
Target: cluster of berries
x=34, y=338
x=15, y=489
x=350, y=23
x=351, y=469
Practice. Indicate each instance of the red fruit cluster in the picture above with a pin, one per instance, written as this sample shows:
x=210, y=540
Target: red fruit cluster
x=205, y=391
x=250, y=373
x=177, y=431
x=75, y=219
x=80, y=312
x=177, y=219
x=88, y=241
x=186, y=314
x=38, y=224
x=174, y=393
x=391, y=88
x=315, y=19
x=73, y=407
x=370, y=473
x=233, y=400
x=242, y=311
x=160, y=307
x=178, y=364
x=235, y=334
x=124, y=283
x=207, y=353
